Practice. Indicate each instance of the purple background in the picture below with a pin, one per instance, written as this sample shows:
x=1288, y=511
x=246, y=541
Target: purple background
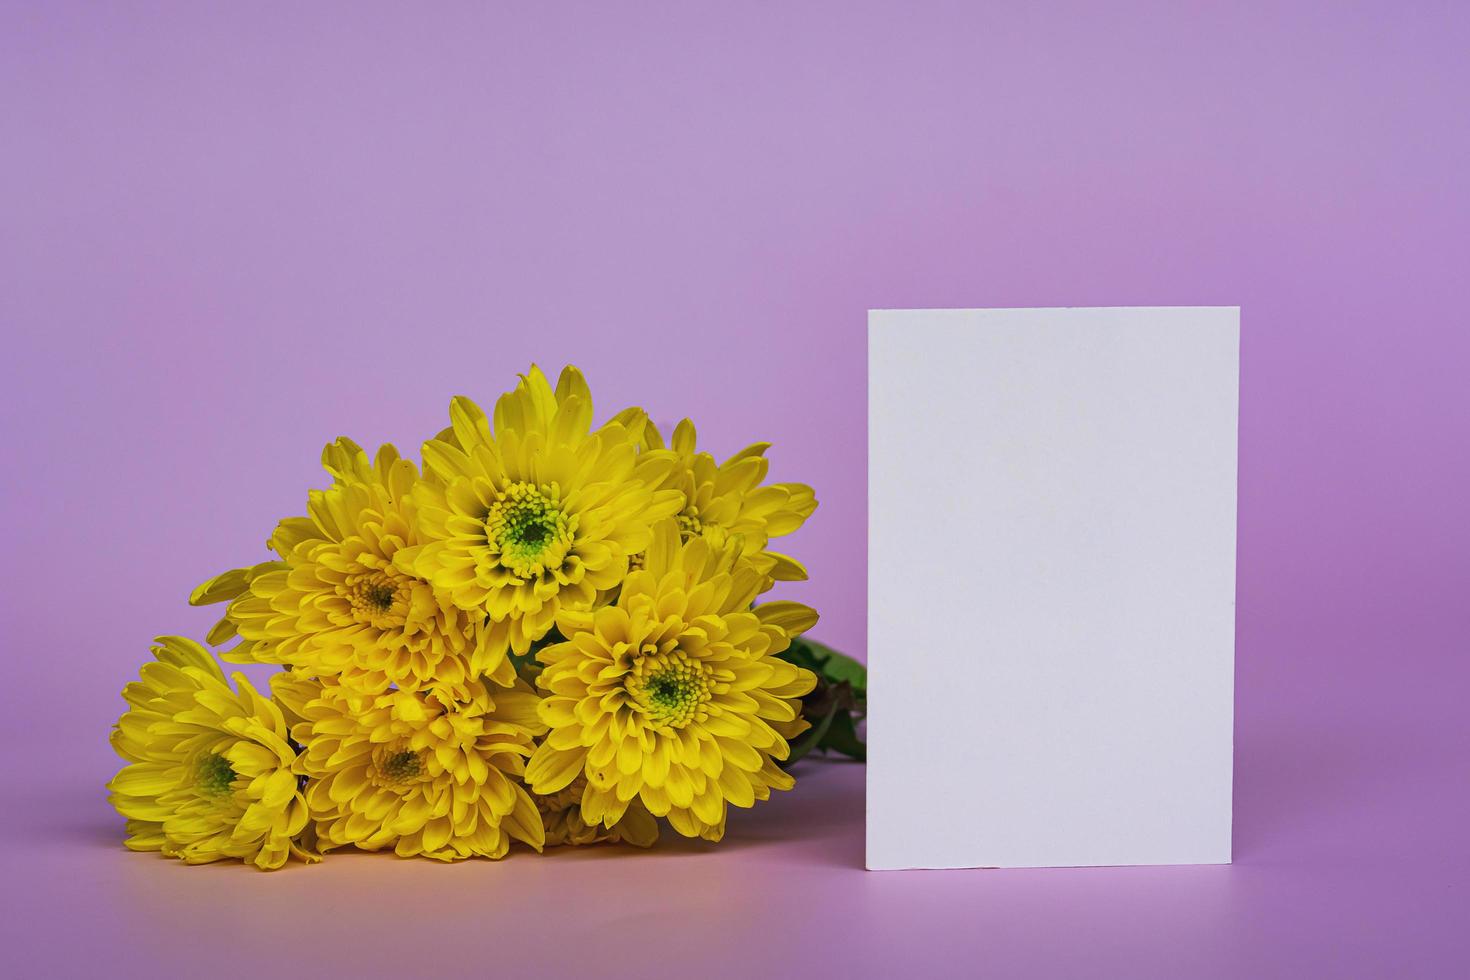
x=231, y=232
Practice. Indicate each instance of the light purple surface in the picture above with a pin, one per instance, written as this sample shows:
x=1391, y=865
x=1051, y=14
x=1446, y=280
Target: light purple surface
x=230, y=232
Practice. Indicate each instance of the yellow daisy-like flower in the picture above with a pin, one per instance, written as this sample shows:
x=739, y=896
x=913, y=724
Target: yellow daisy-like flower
x=540, y=515
x=723, y=500
x=561, y=813
x=418, y=771
x=674, y=696
x=337, y=604
x=210, y=773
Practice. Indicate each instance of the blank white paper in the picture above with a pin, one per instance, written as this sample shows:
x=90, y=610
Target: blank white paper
x=1051, y=586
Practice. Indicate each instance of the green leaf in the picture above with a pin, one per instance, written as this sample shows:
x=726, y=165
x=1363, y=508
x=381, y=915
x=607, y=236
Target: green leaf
x=842, y=737
x=838, y=667
x=811, y=739
x=837, y=703
x=800, y=654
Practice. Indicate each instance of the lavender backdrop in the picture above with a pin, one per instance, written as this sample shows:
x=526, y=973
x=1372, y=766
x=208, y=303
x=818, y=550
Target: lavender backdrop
x=231, y=232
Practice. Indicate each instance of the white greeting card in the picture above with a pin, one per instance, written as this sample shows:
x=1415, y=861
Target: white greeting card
x=1051, y=586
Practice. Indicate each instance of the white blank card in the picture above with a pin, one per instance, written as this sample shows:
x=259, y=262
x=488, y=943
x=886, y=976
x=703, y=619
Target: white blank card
x=1051, y=586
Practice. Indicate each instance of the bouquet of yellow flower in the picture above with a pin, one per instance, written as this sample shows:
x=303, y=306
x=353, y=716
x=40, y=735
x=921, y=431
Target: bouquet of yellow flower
x=551, y=634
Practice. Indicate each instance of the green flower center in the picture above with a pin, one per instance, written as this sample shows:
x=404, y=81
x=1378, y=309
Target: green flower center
x=215, y=775
x=379, y=596
x=527, y=527
x=403, y=766
x=669, y=691
x=372, y=595
x=670, y=688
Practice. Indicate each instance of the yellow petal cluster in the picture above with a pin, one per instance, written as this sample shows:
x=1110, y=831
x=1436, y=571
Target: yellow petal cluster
x=420, y=772
x=338, y=603
x=673, y=695
x=561, y=812
x=730, y=500
x=553, y=634
x=209, y=772
x=539, y=512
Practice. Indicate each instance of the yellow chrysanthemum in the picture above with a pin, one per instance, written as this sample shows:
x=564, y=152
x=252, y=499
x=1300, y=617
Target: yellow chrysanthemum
x=418, y=771
x=561, y=813
x=673, y=696
x=723, y=500
x=210, y=772
x=539, y=515
x=337, y=605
